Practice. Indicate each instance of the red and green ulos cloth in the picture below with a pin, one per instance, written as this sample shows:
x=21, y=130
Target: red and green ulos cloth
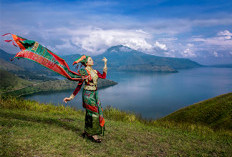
x=34, y=51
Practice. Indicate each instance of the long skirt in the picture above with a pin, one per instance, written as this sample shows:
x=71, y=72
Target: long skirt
x=94, y=110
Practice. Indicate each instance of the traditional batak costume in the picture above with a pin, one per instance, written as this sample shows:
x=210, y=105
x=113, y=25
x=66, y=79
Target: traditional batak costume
x=94, y=121
x=32, y=50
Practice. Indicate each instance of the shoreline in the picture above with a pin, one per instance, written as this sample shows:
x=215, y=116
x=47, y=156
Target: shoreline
x=53, y=86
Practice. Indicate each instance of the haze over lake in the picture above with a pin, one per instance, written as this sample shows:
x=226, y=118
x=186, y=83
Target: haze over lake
x=153, y=95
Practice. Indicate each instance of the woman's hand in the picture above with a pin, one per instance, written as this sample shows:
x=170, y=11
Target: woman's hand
x=67, y=99
x=104, y=59
x=105, y=66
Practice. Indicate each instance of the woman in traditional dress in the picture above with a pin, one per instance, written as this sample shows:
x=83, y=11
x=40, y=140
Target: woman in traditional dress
x=94, y=121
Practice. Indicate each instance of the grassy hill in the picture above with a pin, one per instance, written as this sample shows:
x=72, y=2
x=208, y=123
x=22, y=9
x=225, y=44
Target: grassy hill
x=9, y=81
x=215, y=112
x=28, y=128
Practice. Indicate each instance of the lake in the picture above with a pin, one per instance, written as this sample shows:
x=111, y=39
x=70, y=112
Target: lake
x=153, y=95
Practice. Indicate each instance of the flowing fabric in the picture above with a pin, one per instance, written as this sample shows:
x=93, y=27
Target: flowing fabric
x=34, y=51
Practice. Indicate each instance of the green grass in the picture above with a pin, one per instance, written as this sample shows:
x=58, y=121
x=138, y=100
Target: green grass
x=28, y=128
x=215, y=113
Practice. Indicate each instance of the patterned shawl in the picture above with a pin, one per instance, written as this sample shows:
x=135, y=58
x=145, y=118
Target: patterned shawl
x=34, y=51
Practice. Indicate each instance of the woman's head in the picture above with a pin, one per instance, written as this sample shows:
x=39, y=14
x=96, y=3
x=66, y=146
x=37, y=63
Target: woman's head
x=84, y=60
x=89, y=61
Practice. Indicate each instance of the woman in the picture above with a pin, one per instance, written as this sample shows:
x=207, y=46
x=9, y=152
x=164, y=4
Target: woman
x=94, y=121
x=32, y=50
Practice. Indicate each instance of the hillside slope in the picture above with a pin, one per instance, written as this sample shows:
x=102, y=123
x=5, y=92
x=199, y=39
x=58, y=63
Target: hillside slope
x=215, y=112
x=9, y=66
x=9, y=81
x=28, y=128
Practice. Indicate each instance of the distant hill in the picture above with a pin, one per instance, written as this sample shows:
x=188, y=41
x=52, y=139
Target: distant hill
x=9, y=66
x=12, y=85
x=220, y=66
x=124, y=58
x=215, y=112
x=5, y=56
x=9, y=81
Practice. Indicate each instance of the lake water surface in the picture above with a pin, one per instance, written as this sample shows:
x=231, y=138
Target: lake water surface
x=154, y=95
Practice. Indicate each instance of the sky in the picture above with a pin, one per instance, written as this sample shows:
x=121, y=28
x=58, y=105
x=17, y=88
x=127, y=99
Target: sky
x=197, y=29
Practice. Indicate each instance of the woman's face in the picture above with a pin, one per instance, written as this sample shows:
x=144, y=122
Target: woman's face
x=90, y=61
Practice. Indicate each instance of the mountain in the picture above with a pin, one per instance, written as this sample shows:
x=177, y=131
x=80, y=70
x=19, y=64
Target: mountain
x=124, y=58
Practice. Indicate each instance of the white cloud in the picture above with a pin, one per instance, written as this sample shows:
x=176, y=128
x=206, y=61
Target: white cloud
x=170, y=53
x=223, y=39
x=215, y=54
x=161, y=46
x=168, y=39
x=65, y=45
x=141, y=31
x=227, y=34
x=190, y=45
x=97, y=40
x=125, y=49
x=216, y=46
x=188, y=53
